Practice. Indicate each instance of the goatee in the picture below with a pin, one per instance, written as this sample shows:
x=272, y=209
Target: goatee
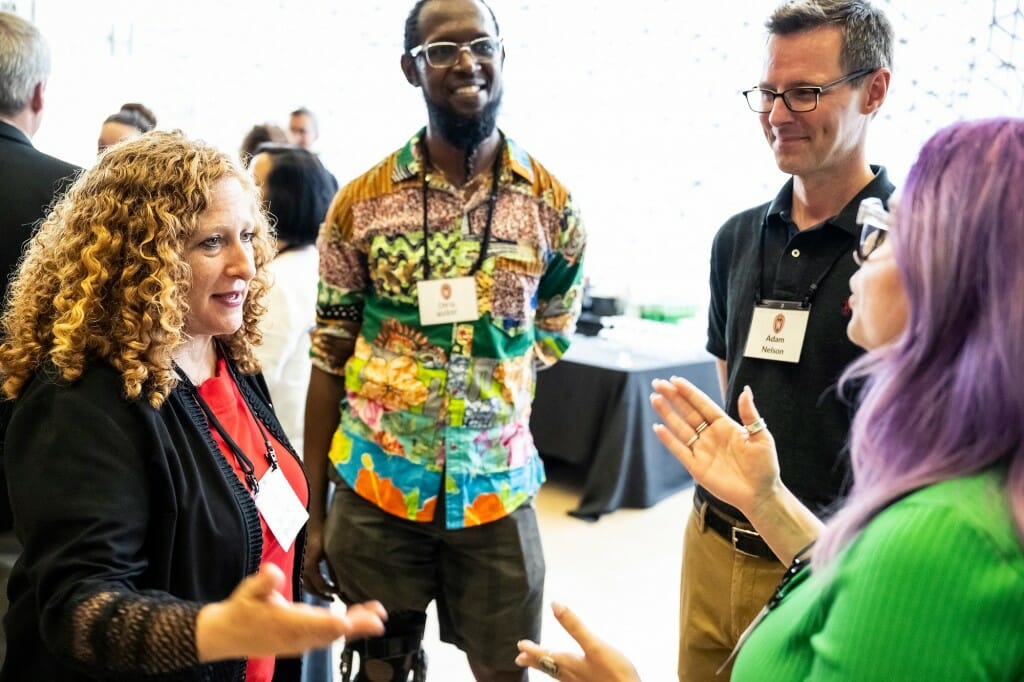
x=462, y=132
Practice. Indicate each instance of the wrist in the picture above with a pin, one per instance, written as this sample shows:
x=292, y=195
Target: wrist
x=208, y=645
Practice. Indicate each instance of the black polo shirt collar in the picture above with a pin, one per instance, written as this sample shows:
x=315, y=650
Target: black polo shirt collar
x=781, y=206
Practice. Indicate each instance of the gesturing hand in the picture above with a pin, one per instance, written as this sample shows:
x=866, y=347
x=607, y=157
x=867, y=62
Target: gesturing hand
x=256, y=620
x=735, y=465
x=600, y=662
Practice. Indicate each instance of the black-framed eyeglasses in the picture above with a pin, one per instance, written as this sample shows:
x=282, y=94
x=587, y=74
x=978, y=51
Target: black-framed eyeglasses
x=444, y=54
x=798, y=100
x=875, y=222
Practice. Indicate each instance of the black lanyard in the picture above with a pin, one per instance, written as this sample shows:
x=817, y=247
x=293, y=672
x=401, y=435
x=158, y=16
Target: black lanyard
x=244, y=463
x=492, y=200
x=812, y=290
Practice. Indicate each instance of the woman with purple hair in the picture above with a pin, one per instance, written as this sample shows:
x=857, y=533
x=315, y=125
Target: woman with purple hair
x=920, y=575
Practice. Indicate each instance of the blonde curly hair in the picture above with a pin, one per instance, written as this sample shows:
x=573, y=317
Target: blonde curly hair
x=105, y=278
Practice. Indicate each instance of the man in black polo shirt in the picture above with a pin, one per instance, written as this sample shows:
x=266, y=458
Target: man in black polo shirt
x=779, y=286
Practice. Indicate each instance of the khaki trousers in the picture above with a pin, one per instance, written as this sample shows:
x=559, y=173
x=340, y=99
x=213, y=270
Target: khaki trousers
x=720, y=593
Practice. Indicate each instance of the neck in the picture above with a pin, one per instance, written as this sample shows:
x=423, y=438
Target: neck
x=23, y=120
x=451, y=160
x=818, y=198
x=197, y=358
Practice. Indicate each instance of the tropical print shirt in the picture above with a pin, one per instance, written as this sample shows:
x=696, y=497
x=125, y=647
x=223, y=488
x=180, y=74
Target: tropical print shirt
x=444, y=402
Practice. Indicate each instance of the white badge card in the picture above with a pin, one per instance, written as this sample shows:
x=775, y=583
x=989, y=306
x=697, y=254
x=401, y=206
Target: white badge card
x=777, y=331
x=280, y=507
x=444, y=301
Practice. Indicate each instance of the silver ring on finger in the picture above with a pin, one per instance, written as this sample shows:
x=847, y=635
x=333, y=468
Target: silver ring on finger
x=693, y=439
x=758, y=425
x=548, y=665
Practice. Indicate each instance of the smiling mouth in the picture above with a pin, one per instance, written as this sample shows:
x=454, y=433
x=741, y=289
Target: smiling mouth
x=472, y=90
x=231, y=298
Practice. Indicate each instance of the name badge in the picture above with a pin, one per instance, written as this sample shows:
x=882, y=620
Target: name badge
x=443, y=301
x=777, y=331
x=280, y=508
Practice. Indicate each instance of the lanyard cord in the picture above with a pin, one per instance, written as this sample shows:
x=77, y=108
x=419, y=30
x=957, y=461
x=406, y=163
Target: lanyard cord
x=244, y=463
x=491, y=201
x=812, y=290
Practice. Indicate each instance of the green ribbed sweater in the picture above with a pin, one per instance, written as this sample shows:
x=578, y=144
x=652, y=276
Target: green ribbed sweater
x=932, y=589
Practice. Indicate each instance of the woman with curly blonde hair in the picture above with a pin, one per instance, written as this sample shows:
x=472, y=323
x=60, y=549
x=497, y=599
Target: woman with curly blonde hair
x=148, y=474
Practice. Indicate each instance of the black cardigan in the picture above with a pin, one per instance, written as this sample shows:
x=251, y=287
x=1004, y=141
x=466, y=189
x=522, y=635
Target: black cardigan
x=138, y=506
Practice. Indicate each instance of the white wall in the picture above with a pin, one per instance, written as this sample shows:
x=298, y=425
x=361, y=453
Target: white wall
x=634, y=105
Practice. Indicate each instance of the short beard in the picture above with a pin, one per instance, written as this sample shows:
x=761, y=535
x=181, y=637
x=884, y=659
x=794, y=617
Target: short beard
x=463, y=133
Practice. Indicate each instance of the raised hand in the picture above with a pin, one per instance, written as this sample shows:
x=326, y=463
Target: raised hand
x=736, y=464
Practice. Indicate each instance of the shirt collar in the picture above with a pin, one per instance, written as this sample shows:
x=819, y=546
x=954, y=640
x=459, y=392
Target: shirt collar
x=846, y=219
x=409, y=162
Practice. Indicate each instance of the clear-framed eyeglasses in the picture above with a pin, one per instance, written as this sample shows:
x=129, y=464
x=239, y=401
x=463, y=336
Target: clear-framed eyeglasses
x=444, y=54
x=875, y=222
x=798, y=100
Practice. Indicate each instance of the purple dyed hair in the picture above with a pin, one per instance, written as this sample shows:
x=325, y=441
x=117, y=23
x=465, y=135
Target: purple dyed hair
x=946, y=399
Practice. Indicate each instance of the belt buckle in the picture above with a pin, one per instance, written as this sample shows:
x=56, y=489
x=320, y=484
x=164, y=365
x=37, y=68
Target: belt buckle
x=743, y=532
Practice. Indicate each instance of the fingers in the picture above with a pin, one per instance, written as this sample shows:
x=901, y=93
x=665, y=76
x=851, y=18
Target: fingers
x=750, y=416
x=532, y=655
x=747, y=410
x=528, y=650
x=365, y=620
x=574, y=626
x=698, y=400
x=689, y=402
x=262, y=585
x=677, y=427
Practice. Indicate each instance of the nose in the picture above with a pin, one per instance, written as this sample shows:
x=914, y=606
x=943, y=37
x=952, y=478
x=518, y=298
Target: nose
x=242, y=261
x=779, y=112
x=465, y=59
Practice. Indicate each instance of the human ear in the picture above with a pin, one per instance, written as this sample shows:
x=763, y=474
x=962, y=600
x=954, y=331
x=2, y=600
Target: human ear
x=409, y=69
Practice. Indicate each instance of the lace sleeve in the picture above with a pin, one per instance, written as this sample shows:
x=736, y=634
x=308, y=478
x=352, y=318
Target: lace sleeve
x=146, y=633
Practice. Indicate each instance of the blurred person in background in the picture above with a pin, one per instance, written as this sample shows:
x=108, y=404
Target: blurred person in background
x=132, y=120
x=303, y=128
x=259, y=134
x=29, y=180
x=296, y=191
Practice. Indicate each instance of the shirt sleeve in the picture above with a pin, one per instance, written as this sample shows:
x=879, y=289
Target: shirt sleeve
x=81, y=496
x=717, y=308
x=560, y=291
x=340, y=291
x=930, y=597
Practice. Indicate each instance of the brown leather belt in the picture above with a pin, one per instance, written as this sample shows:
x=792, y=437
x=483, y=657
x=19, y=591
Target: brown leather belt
x=744, y=540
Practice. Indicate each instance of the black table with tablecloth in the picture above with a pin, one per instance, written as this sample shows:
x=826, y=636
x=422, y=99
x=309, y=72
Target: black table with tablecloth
x=593, y=410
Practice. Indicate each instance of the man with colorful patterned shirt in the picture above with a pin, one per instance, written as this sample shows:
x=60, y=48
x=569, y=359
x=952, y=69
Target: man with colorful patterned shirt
x=449, y=272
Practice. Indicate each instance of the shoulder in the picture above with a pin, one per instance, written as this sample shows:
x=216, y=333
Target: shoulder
x=23, y=163
x=98, y=381
x=740, y=228
x=377, y=181
x=543, y=182
x=964, y=523
x=933, y=588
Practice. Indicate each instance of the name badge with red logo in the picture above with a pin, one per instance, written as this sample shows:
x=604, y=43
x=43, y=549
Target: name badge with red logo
x=777, y=331
x=444, y=301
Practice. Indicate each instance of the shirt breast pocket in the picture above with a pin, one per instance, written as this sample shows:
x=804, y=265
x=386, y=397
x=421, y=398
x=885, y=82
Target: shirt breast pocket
x=515, y=277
